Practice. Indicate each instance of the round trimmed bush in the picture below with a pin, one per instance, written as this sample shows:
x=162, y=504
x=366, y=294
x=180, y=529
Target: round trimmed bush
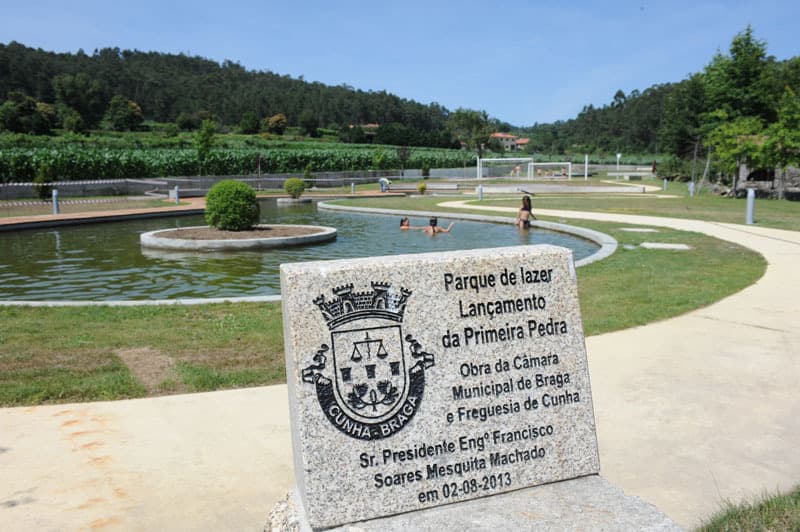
x=294, y=186
x=232, y=206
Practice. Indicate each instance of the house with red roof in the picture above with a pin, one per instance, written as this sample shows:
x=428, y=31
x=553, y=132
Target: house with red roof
x=510, y=142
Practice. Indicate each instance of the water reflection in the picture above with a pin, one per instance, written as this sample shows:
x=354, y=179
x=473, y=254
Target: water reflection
x=105, y=261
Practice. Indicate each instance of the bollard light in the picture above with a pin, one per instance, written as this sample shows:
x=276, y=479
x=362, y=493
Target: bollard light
x=751, y=203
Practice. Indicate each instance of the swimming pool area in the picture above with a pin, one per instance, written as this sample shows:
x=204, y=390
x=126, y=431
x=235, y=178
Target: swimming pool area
x=105, y=262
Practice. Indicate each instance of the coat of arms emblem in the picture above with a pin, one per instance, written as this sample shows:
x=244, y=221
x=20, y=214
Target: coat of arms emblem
x=373, y=385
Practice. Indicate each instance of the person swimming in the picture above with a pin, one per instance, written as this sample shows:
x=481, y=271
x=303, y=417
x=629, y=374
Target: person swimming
x=405, y=224
x=433, y=227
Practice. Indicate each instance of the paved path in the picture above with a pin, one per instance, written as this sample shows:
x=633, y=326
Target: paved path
x=690, y=411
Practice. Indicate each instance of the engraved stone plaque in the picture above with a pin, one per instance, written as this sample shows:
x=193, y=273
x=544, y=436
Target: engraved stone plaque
x=421, y=380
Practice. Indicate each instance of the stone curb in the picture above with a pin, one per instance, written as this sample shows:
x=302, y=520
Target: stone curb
x=152, y=239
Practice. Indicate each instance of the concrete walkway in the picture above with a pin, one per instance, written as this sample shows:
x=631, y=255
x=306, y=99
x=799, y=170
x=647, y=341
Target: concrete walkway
x=690, y=411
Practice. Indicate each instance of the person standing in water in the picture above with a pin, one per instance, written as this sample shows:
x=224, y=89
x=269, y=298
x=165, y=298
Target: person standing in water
x=525, y=214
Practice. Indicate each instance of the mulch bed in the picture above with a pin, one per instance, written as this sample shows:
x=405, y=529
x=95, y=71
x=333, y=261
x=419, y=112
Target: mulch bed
x=264, y=231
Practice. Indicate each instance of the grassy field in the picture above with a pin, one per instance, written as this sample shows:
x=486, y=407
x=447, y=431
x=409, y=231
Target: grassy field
x=676, y=204
x=65, y=354
x=82, y=354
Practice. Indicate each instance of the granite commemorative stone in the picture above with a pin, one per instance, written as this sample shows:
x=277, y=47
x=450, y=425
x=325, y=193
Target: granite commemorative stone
x=421, y=380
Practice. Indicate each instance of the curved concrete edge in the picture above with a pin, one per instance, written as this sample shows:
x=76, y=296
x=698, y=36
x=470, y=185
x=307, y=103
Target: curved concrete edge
x=608, y=245
x=293, y=201
x=152, y=240
x=142, y=302
x=82, y=219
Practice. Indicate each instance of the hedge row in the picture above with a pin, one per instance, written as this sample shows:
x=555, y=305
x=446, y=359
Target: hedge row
x=78, y=163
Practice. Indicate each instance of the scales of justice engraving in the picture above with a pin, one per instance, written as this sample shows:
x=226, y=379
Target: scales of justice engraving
x=376, y=380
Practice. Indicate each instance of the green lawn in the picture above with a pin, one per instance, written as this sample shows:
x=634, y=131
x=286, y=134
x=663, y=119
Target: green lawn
x=768, y=213
x=82, y=354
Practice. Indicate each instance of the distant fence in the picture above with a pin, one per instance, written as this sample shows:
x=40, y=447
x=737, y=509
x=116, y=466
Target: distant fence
x=199, y=185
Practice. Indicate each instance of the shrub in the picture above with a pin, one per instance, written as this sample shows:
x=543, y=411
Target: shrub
x=308, y=177
x=171, y=130
x=124, y=114
x=276, y=123
x=422, y=187
x=232, y=206
x=44, y=175
x=249, y=123
x=426, y=171
x=294, y=186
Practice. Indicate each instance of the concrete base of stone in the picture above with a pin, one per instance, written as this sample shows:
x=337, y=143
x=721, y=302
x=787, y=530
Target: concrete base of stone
x=587, y=503
x=293, y=201
x=153, y=240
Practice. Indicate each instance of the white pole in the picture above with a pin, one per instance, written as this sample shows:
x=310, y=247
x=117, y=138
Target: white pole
x=479, y=168
x=751, y=201
x=586, y=167
x=54, y=195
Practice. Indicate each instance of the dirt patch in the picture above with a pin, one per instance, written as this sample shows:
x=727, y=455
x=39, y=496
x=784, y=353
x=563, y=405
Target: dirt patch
x=150, y=367
x=262, y=231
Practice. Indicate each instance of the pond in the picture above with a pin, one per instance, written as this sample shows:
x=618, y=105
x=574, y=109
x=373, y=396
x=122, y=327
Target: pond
x=104, y=261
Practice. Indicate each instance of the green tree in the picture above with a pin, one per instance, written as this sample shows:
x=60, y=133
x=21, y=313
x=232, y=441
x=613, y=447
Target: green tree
x=352, y=134
x=124, y=114
x=680, y=121
x=85, y=95
x=204, y=141
x=249, y=123
x=740, y=83
x=187, y=122
x=308, y=123
x=782, y=145
x=735, y=142
x=22, y=114
x=70, y=119
x=276, y=124
x=471, y=127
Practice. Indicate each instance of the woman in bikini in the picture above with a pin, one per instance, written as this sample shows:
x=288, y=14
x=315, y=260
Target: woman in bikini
x=525, y=214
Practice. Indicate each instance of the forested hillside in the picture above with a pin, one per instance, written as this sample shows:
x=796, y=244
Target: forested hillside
x=166, y=86
x=744, y=107
x=676, y=118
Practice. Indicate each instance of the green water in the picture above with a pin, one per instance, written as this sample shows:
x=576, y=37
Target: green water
x=105, y=261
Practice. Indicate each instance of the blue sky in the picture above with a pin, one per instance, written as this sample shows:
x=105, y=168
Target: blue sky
x=522, y=62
